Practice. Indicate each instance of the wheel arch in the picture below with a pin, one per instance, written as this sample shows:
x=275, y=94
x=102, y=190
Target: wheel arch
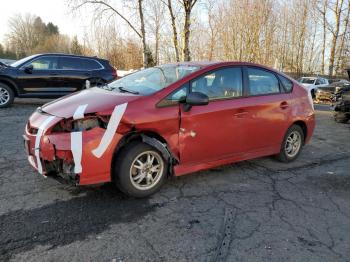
x=11, y=84
x=303, y=126
x=151, y=138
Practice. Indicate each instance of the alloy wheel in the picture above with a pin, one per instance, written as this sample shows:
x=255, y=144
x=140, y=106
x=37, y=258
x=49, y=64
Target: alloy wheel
x=4, y=96
x=146, y=170
x=293, y=144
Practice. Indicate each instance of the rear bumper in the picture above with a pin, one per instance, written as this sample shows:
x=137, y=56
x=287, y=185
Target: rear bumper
x=56, y=157
x=310, y=127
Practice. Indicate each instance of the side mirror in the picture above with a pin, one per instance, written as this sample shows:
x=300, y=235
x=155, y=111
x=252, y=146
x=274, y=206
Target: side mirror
x=29, y=69
x=195, y=99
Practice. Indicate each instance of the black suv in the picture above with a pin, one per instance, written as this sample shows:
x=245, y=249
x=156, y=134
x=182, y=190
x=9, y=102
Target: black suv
x=51, y=76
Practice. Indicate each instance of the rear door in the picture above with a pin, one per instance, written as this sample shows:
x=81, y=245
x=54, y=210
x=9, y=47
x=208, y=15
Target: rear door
x=75, y=71
x=214, y=131
x=268, y=107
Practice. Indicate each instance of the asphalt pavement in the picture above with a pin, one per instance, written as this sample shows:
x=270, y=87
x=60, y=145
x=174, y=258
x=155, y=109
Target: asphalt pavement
x=258, y=210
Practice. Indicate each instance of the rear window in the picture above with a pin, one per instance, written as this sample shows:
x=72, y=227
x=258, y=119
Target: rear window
x=72, y=63
x=90, y=64
x=287, y=84
x=262, y=82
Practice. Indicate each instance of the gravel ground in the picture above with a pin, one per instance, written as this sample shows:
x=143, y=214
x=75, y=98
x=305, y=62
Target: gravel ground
x=259, y=210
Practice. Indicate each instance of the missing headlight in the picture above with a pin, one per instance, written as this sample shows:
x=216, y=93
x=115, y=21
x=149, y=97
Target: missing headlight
x=85, y=124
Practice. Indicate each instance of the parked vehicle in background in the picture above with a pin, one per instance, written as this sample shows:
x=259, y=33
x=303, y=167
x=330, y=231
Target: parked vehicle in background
x=7, y=61
x=170, y=120
x=325, y=94
x=312, y=83
x=51, y=76
x=342, y=103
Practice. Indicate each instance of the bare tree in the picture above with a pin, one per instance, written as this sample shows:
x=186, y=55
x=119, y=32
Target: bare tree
x=337, y=11
x=106, y=5
x=188, y=7
x=169, y=4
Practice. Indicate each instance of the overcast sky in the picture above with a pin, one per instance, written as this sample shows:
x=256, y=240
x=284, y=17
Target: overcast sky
x=55, y=11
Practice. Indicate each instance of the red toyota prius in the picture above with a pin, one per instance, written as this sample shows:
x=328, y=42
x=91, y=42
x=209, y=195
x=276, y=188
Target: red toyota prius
x=170, y=120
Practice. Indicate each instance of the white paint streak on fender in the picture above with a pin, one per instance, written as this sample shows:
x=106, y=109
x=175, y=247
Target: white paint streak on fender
x=76, y=141
x=37, y=142
x=107, y=137
x=79, y=112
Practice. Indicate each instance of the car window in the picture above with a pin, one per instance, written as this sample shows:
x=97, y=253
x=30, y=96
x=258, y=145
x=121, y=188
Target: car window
x=71, y=63
x=262, y=82
x=307, y=80
x=178, y=95
x=44, y=63
x=90, y=64
x=287, y=84
x=318, y=82
x=151, y=80
x=223, y=83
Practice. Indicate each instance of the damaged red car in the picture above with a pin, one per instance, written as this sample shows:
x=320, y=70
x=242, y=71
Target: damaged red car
x=170, y=120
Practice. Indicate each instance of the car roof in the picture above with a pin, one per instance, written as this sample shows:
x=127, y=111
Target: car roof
x=204, y=64
x=68, y=55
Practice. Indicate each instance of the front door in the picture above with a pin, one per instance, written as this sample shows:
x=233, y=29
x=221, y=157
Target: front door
x=43, y=78
x=214, y=131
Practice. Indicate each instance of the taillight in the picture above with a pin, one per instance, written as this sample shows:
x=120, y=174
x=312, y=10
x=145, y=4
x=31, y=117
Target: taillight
x=114, y=72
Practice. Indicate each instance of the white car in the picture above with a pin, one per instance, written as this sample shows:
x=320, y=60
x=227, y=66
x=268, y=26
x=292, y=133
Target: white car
x=312, y=83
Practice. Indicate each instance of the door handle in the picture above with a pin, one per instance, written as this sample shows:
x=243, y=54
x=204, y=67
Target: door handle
x=284, y=105
x=54, y=74
x=240, y=114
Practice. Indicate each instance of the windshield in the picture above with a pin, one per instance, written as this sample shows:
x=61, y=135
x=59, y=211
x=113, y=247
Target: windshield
x=21, y=61
x=307, y=80
x=151, y=80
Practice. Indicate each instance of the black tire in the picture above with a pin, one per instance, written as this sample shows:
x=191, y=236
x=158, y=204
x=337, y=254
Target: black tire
x=341, y=117
x=283, y=156
x=123, y=172
x=6, y=92
x=313, y=94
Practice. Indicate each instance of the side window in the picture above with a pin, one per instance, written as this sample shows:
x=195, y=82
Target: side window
x=262, y=82
x=71, y=63
x=90, y=64
x=223, y=83
x=287, y=84
x=318, y=82
x=178, y=95
x=174, y=97
x=44, y=63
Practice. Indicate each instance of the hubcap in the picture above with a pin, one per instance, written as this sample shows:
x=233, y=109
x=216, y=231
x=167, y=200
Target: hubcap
x=146, y=170
x=4, y=96
x=293, y=144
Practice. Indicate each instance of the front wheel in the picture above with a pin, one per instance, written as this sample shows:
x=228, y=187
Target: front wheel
x=140, y=170
x=292, y=144
x=6, y=96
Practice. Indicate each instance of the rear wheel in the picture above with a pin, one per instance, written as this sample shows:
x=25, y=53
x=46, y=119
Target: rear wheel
x=6, y=95
x=341, y=117
x=140, y=170
x=292, y=144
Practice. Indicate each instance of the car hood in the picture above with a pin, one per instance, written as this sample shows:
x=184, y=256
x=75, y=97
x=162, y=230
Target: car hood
x=308, y=85
x=96, y=99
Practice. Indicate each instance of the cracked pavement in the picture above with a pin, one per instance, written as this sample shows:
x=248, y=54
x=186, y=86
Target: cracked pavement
x=258, y=210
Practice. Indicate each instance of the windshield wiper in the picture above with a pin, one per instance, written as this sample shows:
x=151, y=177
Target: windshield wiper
x=123, y=90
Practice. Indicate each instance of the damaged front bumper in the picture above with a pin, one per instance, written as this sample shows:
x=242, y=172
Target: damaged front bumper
x=51, y=152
